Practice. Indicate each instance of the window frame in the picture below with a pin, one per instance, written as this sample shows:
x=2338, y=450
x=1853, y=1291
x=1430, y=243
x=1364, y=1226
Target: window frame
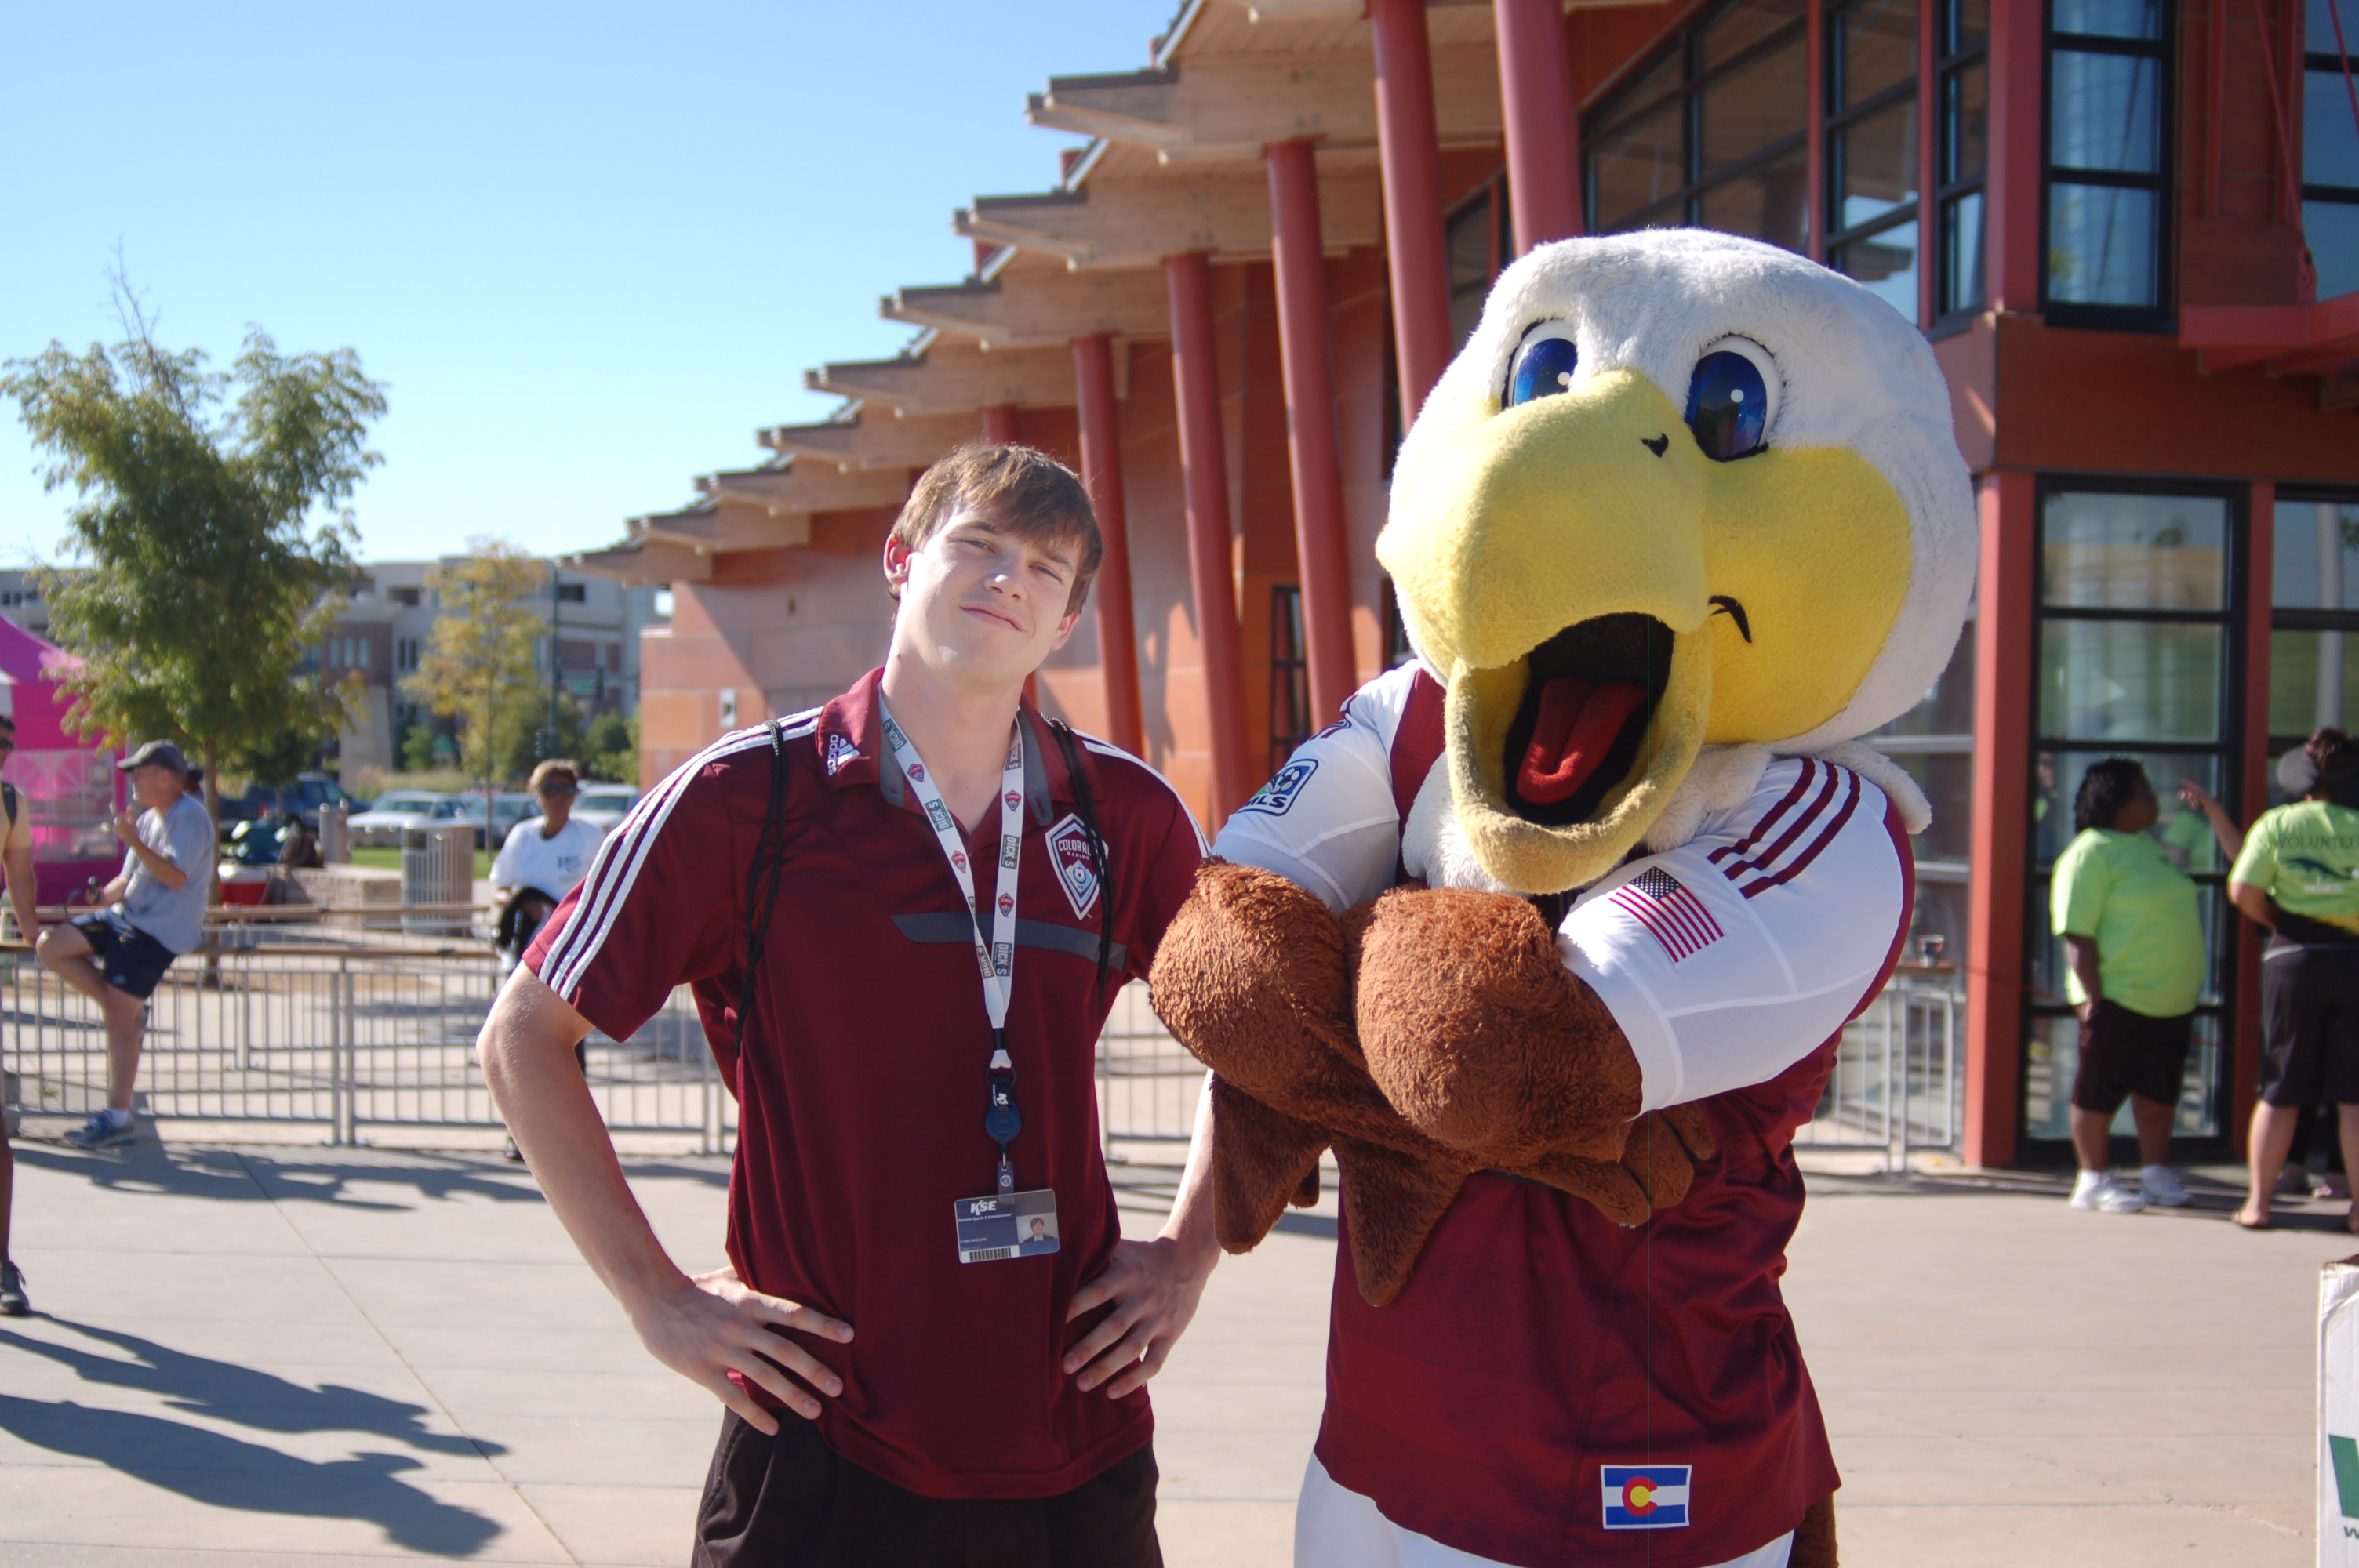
x=2162, y=316
x=1838, y=117
x=2227, y=746
x=2315, y=59
x=2293, y=617
x=1951, y=65
x=1289, y=674
x=1617, y=112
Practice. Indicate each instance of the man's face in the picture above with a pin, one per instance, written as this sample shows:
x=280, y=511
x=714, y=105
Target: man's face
x=155, y=786
x=981, y=603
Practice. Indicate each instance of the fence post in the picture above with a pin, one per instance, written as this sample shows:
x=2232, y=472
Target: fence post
x=340, y=1034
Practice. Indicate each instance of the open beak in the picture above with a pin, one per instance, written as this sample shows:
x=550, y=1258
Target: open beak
x=1553, y=568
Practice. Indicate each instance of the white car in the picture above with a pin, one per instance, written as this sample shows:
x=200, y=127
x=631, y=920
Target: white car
x=601, y=805
x=397, y=811
x=508, y=808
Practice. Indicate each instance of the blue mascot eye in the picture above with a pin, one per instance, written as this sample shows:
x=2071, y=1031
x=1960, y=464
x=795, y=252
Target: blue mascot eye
x=1544, y=365
x=1728, y=406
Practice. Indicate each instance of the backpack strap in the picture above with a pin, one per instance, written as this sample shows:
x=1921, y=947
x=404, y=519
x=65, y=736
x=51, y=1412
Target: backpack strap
x=759, y=897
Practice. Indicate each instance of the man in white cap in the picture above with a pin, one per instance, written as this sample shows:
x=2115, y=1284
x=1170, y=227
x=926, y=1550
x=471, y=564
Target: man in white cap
x=155, y=912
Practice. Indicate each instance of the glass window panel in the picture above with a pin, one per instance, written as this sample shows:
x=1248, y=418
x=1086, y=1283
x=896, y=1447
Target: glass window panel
x=1876, y=163
x=2134, y=552
x=1877, y=44
x=1635, y=168
x=1947, y=781
x=1965, y=140
x=1968, y=26
x=1740, y=27
x=2052, y=1056
x=2333, y=229
x=1961, y=264
x=2330, y=136
x=2320, y=28
x=2102, y=112
x=1468, y=240
x=1756, y=107
x=1886, y=263
x=1949, y=707
x=2111, y=18
x=2100, y=245
x=1943, y=908
x=2316, y=563
x=2185, y=835
x=1770, y=202
x=2313, y=681
x=2135, y=679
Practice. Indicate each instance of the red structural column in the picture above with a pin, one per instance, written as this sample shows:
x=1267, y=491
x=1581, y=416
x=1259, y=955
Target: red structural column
x=2244, y=1041
x=1409, y=149
x=2002, y=775
x=1536, y=96
x=1203, y=460
x=1102, y=473
x=1322, y=543
x=999, y=424
x=2016, y=87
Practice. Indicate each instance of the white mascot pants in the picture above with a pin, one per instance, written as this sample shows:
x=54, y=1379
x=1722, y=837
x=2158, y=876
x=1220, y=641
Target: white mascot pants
x=1335, y=1527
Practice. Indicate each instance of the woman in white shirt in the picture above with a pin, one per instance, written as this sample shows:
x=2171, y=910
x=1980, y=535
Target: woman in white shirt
x=540, y=863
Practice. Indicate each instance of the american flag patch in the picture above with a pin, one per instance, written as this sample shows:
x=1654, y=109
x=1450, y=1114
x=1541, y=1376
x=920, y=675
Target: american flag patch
x=1672, y=915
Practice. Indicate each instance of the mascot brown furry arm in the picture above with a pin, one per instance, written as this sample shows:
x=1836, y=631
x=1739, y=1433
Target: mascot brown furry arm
x=1424, y=1037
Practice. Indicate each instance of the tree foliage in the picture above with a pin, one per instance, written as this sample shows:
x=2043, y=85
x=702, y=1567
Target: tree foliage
x=477, y=664
x=209, y=570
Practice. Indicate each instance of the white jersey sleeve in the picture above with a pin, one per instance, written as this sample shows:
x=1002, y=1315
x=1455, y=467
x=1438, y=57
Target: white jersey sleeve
x=1327, y=821
x=1732, y=957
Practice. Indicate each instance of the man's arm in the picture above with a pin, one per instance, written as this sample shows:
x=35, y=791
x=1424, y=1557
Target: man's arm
x=704, y=1327
x=2255, y=905
x=159, y=865
x=1154, y=1285
x=18, y=859
x=2081, y=953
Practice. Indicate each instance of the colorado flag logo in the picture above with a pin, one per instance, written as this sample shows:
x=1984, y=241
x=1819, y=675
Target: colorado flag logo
x=1645, y=1496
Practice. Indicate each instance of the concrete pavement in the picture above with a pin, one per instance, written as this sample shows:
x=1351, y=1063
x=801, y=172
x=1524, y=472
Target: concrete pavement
x=280, y=1355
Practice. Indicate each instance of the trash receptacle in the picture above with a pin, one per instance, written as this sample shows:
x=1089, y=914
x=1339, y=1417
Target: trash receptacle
x=335, y=839
x=437, y=866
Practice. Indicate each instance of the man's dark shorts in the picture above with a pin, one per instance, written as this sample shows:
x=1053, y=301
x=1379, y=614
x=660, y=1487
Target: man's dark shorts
x=2125, y=1053
x=789, y=1502
x=131, y=959
x=2310, y=1023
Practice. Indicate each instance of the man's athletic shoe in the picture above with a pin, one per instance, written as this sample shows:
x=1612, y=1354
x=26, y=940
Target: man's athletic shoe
x=2160, y=1185
x=2097, y=1189
x=12, y=1293
x=105, y=1129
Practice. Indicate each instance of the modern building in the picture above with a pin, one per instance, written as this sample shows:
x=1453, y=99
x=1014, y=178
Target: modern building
x=2129, y=227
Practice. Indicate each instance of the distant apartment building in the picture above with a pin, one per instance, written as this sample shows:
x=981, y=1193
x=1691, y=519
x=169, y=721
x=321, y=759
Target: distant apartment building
x=594, y=643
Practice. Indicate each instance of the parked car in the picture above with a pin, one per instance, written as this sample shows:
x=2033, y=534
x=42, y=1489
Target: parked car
x=303, y=799
x=507, y=810
x=603, y=805
x=397, y=811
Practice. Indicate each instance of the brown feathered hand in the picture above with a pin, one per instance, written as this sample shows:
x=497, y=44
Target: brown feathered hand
x=1423, y=1037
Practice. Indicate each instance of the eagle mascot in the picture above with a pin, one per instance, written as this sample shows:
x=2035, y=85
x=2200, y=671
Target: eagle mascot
x=1551, y=938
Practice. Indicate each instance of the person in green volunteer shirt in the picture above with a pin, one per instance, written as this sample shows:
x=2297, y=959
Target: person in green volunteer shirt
x=2298, y=876
x=2134, y=948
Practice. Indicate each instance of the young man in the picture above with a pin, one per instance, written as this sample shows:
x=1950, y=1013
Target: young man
x=156, y=912
x=927, y=897
x=16, y=858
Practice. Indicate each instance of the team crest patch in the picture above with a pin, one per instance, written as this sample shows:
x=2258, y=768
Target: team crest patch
x=840, y=751
x=1645, y=1496
x=1277, y=797
x=1068, y=852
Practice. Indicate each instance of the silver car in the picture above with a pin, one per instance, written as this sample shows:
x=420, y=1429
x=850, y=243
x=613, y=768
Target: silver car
x=397, y=811
x=602, y=805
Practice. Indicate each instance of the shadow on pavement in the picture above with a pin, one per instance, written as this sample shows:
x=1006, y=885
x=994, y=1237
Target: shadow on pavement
x=227, y=1391
x=224, y=1472
x=241, y=1176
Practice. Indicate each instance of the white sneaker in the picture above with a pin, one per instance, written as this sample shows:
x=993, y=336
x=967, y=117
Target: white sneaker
x=2160, y=1185
x=2097, y=1189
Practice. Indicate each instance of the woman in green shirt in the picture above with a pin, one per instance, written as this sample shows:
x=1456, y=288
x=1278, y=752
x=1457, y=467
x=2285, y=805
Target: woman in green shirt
x=2298, y=876
x=2134, y=948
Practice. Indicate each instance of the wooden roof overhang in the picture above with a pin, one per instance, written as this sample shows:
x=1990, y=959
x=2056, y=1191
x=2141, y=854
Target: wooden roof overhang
x=946, y=375
x=1036, y=307
x=872, y=438
x=2321, y=340
x=644, y=563
x=797, y=491
x=1129, y=224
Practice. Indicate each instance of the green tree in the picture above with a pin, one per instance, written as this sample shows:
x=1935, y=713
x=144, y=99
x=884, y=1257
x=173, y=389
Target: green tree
x=207, y=525
x=611, y=748
x=477, y=664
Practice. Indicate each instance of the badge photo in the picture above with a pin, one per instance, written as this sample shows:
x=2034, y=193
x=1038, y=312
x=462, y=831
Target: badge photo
x=1006, y=1224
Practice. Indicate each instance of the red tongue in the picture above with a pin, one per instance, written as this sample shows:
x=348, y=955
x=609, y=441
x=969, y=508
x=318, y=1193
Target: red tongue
x=1577, y=726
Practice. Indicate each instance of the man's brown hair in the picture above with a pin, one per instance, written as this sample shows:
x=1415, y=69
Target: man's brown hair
x=1021, y=491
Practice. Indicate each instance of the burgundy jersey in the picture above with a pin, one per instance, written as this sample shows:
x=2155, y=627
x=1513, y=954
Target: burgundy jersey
x=1539, y=1353
x=861, y=1085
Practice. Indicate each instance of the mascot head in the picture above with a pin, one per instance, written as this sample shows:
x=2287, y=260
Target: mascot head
x=1679, y=490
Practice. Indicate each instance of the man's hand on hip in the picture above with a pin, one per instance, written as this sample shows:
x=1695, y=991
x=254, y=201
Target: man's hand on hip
x=1153, y=1288
x=712, y=1324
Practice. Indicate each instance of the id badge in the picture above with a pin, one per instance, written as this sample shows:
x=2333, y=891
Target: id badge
x=1006, y=1224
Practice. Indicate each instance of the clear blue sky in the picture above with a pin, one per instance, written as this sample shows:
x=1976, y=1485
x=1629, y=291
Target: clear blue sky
x=591, y=248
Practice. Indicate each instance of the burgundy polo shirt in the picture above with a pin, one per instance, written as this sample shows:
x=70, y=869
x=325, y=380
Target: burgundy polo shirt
x=861, y=1087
